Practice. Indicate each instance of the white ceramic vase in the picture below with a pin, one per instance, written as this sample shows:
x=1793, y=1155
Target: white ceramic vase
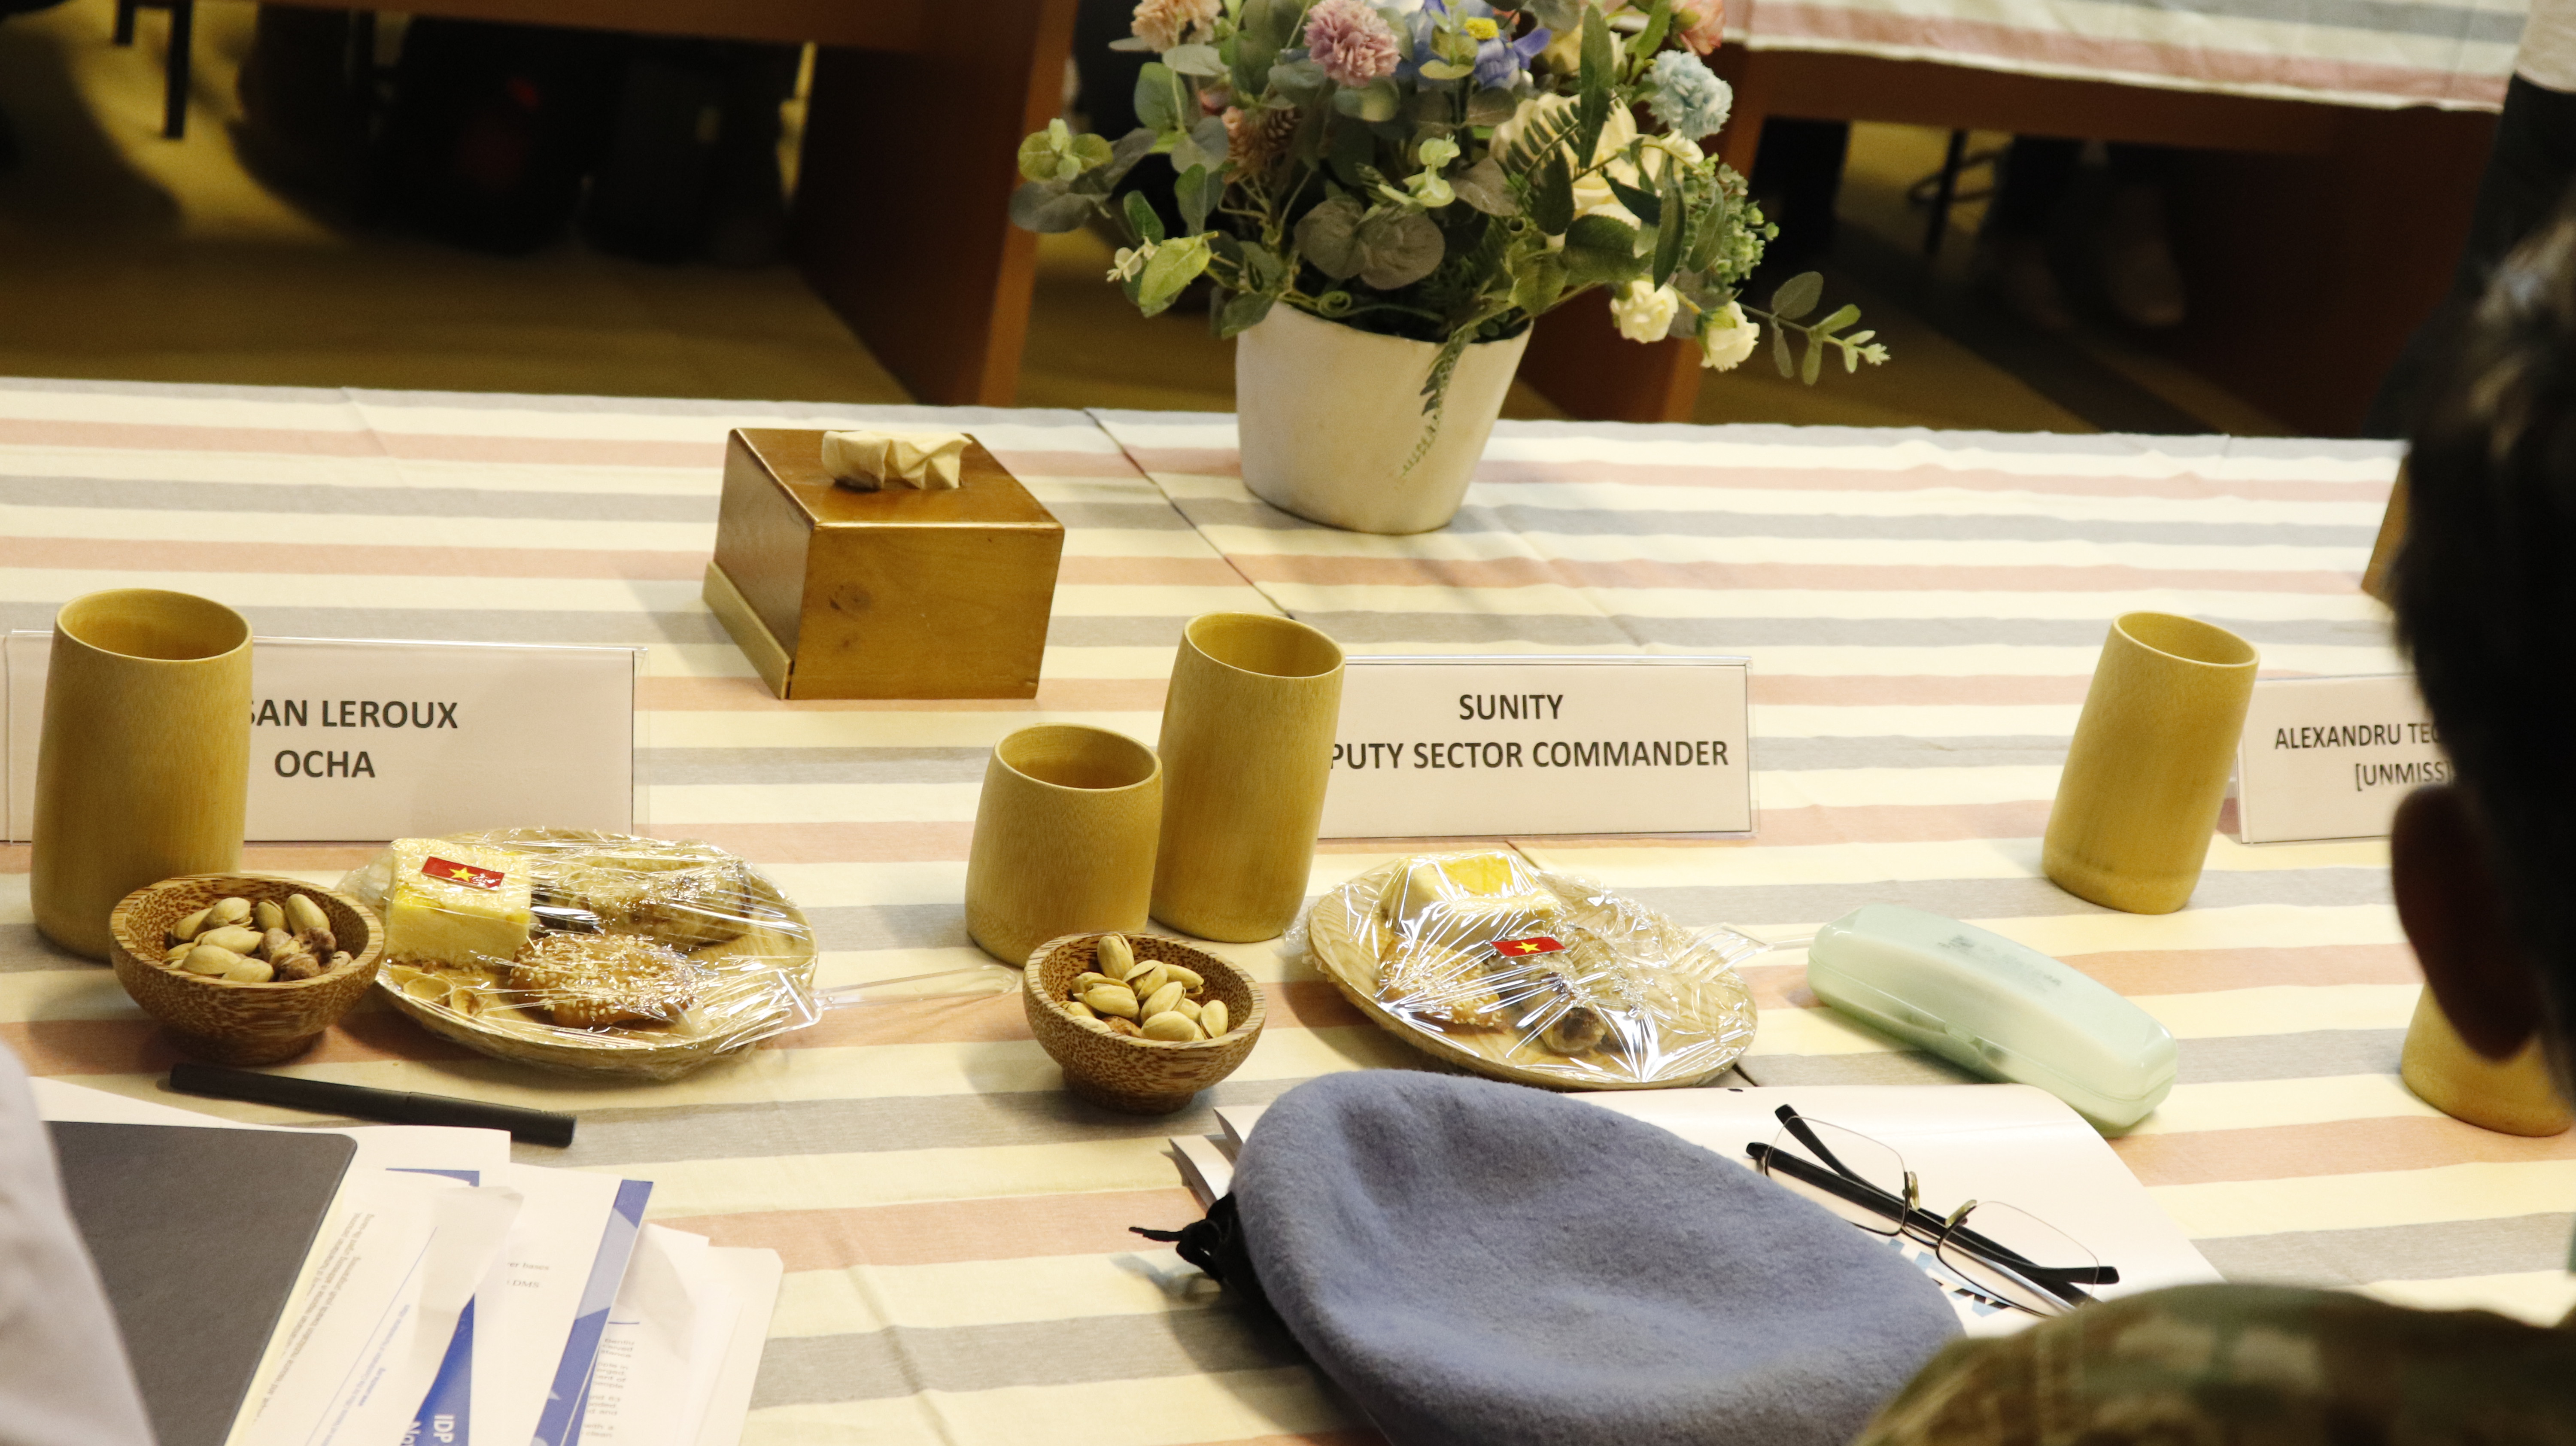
x=1329, y=413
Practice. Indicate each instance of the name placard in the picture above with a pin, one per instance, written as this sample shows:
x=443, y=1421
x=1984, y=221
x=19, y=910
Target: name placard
x=2331, y=757
x=1482, y=745
x=362, y=740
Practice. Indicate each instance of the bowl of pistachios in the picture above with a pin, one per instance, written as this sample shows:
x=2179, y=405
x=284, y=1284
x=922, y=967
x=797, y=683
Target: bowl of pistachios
x=244, y=968
x=1139, y=1022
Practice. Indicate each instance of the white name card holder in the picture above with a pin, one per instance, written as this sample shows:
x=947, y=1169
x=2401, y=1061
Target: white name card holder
x=1488, y=745
x=2329, y=758
x=356, y=740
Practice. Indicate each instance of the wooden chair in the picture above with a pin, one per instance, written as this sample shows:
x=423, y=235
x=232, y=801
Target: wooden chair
x=183, y=18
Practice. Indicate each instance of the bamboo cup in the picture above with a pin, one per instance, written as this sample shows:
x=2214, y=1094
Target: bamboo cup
x=143, y=771
x=2148, y=769
x=1064, y=838
x=1247, y=748
x=2511, y=1096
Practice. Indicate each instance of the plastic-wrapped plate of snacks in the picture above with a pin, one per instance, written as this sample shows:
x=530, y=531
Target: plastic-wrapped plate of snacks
x=1534, y=977
x=588, y=951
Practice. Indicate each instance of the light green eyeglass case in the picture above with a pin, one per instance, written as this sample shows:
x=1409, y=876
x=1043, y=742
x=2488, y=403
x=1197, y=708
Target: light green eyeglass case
x=1996, y=1008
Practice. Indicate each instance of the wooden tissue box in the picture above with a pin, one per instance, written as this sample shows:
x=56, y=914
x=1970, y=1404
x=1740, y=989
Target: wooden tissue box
x=895, y=594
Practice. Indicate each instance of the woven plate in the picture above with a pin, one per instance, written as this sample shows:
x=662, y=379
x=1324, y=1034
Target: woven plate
x=1347, y=938
x=765, y=988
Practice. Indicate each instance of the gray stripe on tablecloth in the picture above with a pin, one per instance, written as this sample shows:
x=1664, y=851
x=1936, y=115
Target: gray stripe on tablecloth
x=811, y=765
x=1208, y=1334
x=890, y=926
x=612, y=1138
x=460, y=625
x=2311, y=1054
x=2006, y=898
x=2380, y=17
x=1574, y=520
x=1779, y=434
x=1732, y=634
x=1786, y=755
x=2440, y=1251
x=1136, y=516
x=946, y=418
x=296, y=499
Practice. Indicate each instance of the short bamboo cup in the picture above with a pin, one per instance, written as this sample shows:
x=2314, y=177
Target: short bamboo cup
x=1247, y=749
x=143, y=771
x=2145, y=776
x=1064, y=838
x=2510, y=1096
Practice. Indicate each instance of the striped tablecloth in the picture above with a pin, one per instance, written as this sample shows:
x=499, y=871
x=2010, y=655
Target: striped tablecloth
x=2455, y=54
x=1921, y=609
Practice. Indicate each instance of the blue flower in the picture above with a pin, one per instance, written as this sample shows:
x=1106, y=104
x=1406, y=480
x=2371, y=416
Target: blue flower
x=1501, y=62
x=1687, y=98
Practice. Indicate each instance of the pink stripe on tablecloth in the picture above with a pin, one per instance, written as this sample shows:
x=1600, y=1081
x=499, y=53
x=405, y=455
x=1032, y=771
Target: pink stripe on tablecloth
x=1966, y=40
x=750, y=695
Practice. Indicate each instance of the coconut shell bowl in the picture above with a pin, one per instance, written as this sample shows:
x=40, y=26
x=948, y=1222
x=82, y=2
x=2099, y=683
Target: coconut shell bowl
x=1120, y=1072
x=223, y=1021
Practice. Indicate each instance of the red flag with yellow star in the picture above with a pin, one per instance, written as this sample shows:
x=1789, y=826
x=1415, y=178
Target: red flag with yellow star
x=466, y=874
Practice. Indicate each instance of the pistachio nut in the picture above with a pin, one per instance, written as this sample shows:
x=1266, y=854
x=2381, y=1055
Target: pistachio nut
x=297, y=966
x=302, y=914
x=188, y=927
x=317, y=940
x=1187, y=1009
x=277, y=943
x=1089, y=979
x=1148, y=979
x=339, y=960
x=1189, y=977
x=209, y=959
x=1112, y=999
x=1162, y=1000
x=1080, y=1010
x=1171, y=1027
x=1123, y=1026
x=250, y=971
x=177, y=952
x=1214, y=1018
x=267, y=914
x=234, y=910
x=1113, y=956
x=240, y=940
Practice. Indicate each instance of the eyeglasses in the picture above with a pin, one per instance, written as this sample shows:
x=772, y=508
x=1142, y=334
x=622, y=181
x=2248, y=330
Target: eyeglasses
x=2012, y=1257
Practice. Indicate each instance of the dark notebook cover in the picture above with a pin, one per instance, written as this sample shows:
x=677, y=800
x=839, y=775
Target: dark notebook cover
x=199, y=1234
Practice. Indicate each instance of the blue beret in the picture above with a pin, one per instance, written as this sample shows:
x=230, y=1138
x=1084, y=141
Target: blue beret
x=1481, y=1264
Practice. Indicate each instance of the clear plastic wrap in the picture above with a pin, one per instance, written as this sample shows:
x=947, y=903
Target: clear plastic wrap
x=1534, y=977
x=589, y=951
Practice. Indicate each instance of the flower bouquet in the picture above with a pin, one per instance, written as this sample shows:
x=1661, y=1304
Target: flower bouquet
x=1438, y=171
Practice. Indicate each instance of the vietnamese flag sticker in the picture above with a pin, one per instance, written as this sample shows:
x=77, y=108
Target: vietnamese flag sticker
x=466, y=874
x=1534, y=944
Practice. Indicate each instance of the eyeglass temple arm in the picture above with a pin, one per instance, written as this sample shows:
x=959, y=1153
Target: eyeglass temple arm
x=1797, y=1125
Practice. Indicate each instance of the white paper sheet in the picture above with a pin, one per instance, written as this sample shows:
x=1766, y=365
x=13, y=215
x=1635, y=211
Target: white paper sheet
x=683, y=1344
x=756, y=1275
x=524, y=1311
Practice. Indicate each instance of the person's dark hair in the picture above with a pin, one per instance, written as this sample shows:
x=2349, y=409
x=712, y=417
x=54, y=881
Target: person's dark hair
x=2485, y=584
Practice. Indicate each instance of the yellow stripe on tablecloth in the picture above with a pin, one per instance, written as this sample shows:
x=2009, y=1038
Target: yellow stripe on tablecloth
x=2221, y=1014
x=2481, y=1191
x=1167, y=1411
x=679, y=805
x=1149, y=1280
x=2542, y=1297
x=1770, y=604
x=688, y=1188
x=1761, y=865
x=353, y=529
x=2267, y=1103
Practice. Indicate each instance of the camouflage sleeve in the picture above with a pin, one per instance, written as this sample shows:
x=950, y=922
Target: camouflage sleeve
x=2229, y=1365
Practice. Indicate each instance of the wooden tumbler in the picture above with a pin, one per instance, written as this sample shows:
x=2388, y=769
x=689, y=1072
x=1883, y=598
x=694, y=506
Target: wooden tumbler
x=143, y=771
x=2148, y=769
x=1247, y=749
x=1064, y=838
x=2510, y=1096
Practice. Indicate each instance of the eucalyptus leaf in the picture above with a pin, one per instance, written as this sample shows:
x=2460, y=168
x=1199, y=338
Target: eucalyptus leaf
x=1327, y=237
x=1552, y=198
x=1259, y=31
x=1141, y=218
x=1299, y=77
x=1780, y=350
x=1839, y=320
x=1446, y=70
x=1539, y=285
x=1050, y=206
x=1380, y=100
x=1485, y=187
x=1643, y=204
x=1243, y=313
x=1175, y=265
x=1130, y=148
x=1195, y=60
x=1160, y=97
x=1205, y=145
x=1397, y=249
x=1814, y=364
x=1197, y=191
x=1798, y=295
x=1353, y=149
x=1491, y=106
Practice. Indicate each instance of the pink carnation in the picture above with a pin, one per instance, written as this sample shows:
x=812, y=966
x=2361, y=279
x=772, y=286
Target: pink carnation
x=1701, y=25
x=1353, y=45
x=1163, y=24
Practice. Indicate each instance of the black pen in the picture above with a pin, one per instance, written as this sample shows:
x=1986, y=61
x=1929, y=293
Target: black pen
x=536, y=1127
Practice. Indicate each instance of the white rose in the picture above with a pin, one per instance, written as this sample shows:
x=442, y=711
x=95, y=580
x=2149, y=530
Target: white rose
x=1591, y=193
x=1728, y=339
x=1644, y=311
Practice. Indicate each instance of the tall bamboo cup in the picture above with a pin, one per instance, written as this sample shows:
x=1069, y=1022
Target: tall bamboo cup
x=1064, y=838
x=2148, y=769
x=2510, y=1096
x=143, y=771
x=1247, y=748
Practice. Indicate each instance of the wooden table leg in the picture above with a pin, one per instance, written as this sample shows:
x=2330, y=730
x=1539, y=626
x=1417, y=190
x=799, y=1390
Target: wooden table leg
x=1578, y=360
x=902, y=196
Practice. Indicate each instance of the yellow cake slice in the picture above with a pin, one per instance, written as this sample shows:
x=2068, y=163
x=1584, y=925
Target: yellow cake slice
x=456, y=902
